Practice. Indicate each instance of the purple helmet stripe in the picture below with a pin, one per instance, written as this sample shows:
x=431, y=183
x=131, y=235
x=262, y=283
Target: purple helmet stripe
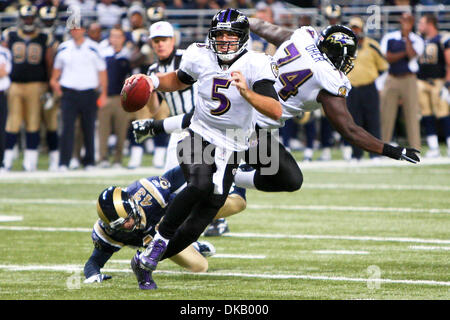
x=229, y=15
x=222, y=15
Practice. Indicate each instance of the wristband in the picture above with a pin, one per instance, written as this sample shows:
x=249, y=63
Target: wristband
x=391, y=151
x=155, y=81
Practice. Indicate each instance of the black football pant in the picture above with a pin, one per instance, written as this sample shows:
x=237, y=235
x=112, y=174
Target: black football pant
x=364, y=105
x=271, y=153
x=3, y=116
x=73, y=104
x=195, y=207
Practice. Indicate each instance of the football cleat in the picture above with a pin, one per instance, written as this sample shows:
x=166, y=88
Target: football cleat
x=205, y=248
x=143, y=129
x=217, y=228
x=144, y=277
x=97, y=278
x=150, y=257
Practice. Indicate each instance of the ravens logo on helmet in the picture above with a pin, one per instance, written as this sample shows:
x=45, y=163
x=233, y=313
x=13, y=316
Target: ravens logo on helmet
x=339, y=44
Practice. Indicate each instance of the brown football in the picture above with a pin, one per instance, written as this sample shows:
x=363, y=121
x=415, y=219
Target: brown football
x=135, y=95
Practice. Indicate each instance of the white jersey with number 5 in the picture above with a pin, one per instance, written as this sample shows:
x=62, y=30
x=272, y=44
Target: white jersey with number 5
x=303, y=73
x=222, y=116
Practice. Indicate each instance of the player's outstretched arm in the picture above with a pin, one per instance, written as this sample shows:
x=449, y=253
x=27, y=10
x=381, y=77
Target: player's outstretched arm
x=272, y=33
x=336, y=111
x=166, y=82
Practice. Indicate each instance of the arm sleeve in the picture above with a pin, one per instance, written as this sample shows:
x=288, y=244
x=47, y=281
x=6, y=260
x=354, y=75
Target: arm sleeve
x=446, y=41
x=95, y=262
x=418, y=45
x=190, y=63
x=175, y=177
x=185, y=77
x=263, y=67
x=384, y=45
x=101, y=63
x=265, y=87
x=58, y=64
x=380, y=60
x=8, y=60
x=333, y=81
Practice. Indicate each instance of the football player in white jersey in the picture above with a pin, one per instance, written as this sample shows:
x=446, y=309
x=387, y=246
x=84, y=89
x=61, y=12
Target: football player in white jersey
x=312, y=73
x=233, y=82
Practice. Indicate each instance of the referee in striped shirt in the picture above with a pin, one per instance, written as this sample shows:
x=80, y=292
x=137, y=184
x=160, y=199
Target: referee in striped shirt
x=179, y=102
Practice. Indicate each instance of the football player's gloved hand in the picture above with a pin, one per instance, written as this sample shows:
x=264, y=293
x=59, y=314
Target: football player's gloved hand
x=97, y=278
x=401, y=153
x=143, y=129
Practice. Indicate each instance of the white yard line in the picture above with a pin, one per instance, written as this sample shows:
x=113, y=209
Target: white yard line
x=429, y=248
x=255, y=235
x=346, y=208
x=375, y=186
x=149, y=171
x=78, y=269
x=341, y=252
x=44, y=229
x=49, y=201
x=250, y=206
x=5, y=218
x=330, y=237
x=320, y=186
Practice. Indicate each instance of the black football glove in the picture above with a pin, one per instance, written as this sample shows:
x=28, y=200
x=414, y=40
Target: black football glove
x=143, y=129
x=401, y=153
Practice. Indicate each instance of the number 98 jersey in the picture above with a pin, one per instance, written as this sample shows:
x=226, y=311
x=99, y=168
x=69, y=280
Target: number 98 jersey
x=28, y=52
x=219, y=105
x=303, y=73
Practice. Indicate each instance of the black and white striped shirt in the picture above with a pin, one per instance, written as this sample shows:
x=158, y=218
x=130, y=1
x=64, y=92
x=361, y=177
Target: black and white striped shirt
x=179, y=102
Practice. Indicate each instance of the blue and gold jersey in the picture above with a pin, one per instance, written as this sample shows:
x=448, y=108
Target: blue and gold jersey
x=432, y=61
x=153, y=194
x=28, y=51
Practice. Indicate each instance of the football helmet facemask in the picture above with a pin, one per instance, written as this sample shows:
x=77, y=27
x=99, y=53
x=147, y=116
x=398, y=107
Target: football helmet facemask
x=27, y=15
x=232, y=21
x=115, y=207
x=339, y=44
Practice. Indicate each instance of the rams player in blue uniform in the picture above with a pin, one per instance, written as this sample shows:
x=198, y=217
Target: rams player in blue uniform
x=31, y=52
x=129, y=217
x=434, y=73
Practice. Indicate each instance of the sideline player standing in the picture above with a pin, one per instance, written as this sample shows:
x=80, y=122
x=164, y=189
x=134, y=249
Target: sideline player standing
x=221, y=126
x=30, y=49
x=434, y=73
